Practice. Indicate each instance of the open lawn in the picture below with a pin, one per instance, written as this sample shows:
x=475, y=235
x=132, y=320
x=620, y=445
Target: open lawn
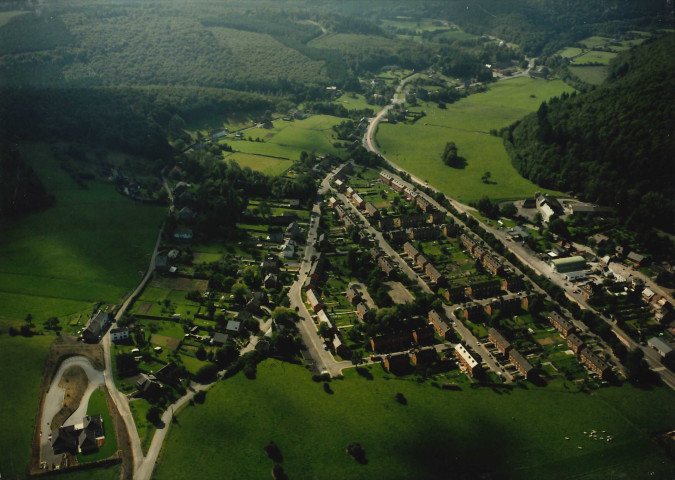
x=521, y=431
x=98, y=406
x=594, y=75
x=261, y=163
x=354, y=101
x=146, y=430
x=418, y=147
x=93, y=245
x=7, y=16
x=22, y=360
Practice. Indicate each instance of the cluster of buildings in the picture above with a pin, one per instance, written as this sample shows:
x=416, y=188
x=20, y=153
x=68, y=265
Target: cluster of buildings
x=399, y=362
x=86, y=437
x=482, y=254
x=515, y=357
x=422, y=262
x=578, y=346
x=402, y=340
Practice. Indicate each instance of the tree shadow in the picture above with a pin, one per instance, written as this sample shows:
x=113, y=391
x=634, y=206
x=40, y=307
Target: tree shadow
x=327, y=389
x=458, y=163
x=272, y=450
x=365, y=373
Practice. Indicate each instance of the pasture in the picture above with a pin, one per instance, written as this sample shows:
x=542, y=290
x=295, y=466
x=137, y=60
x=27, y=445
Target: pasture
x=594, y=57
x=22, y=362
x=354, y=101
x=452, y=430
x=594, y=75
x=261, y=163
x=418, y=147
x=93, y=245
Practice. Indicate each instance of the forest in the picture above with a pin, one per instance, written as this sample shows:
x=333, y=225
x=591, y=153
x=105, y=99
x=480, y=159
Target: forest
x=610, y=145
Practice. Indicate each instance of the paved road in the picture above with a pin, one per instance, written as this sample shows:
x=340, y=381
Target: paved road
x=54, y=401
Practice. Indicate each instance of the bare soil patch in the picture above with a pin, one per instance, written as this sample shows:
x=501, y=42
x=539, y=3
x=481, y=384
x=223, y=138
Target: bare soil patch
x=162, y=341
x=180, y=283
x=546, y=341
x=145, y=307
x=398, y=293
x=74, y=381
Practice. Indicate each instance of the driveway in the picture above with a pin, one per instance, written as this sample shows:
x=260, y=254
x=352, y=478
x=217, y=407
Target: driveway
x=54, y=401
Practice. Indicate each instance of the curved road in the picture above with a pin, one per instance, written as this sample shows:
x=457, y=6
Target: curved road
x=54, y=401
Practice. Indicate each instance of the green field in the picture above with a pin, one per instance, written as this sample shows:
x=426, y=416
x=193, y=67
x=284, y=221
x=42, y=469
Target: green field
x=348, y=101
x=22, y=360
x=595, y=42
x=418, y=147
x=7, y=16
x=267, y=165
x=595, y=57
x=594, y=75
x=93, y=245
x=98, y=406
x=569, y=52
x=522, y=431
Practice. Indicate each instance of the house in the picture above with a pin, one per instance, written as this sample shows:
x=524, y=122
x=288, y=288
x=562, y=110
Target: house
x=340, y=348
x=270, y=264
x=479, y=252
x=410, y=250
x=219, y=339
x=422, y=261
x=664, y=349
x=575, y=343
x=398, y=236
x=502, y=344
x=288, y=249
x=372, y=210
x=594, y=362
x=467, y=362
x=332, y=203
x=434, y=274
x=275, y=237
x=233, y=326
x=424, y=204
x=410, y=221
x=375, y=253
x=397, y=185
x=348, y=221
x=519, y=232
x=468, y=242
x=485, y=289
x=361, y=310
x=397, y=362
x=385, y=265
x=119, y=334
x=436, y=218
x=513, y=283
x=340, y=212
x=439, y=323
x=161, y=263
x=424, y=356
x=350, y=192
x=386, y=178
x=314, y=301
x=473, y=312
x=186, y=214
x=521, y=363
x=147, y=387
x=382, y=343
x=86, y=437
x=95, y=327
x=587, y=290
x=493, y=265
x=340, y=185
x=353, y=295
x=636, y=259
x=599, y=239
x=309, y=283
x=424, y=233
x=317, y=269
x=270, y=280
x=358, y=201
x=385, y=224
x=292, y=230
x=454, y=294
x=183, y=233
x=410, y=194
x=561, y=324
x=549, y=208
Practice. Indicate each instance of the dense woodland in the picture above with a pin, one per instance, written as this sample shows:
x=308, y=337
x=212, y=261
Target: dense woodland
x=611, y=145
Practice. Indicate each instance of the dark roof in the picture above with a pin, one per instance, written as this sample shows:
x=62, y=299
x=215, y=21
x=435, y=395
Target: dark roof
x=499, y=338
x=519, y=360
x=575, y=340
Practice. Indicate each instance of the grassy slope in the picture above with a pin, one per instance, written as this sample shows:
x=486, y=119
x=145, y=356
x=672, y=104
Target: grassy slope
x=418, y=147
x=451, y=431
x=89, y=247
x=19, y=382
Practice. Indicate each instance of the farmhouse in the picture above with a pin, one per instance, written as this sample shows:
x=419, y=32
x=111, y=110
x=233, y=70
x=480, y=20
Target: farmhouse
x=424, y=356
x=575, y=343
x=119, y=334
x=595, y=363
x=521, y=363
x=469, y=364
x=95, y=328
x=502, y=344
x=561, y=324
x=147, y=387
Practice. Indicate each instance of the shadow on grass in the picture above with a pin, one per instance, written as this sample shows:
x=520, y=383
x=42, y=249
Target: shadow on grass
x=365, y=373
x=327, y=389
